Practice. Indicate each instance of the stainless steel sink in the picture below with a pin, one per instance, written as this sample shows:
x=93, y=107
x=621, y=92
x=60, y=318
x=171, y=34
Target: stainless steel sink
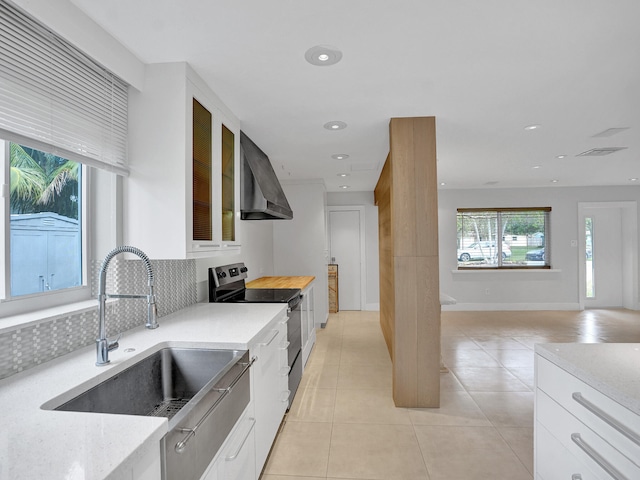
x=198, y=390
x=158, y=385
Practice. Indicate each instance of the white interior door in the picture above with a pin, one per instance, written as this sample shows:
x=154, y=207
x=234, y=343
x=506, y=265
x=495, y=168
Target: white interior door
x=346, y=251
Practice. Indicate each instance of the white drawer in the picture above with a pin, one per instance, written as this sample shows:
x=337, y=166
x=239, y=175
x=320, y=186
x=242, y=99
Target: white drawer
x=594, y=409
x=557, y=463
x=582, y=442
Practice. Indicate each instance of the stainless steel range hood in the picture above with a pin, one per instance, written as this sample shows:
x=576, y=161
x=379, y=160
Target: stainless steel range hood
x=261, y=195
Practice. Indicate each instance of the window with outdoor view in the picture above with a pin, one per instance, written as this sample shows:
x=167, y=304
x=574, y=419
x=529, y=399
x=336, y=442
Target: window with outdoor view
x=45, y=205
x=503, y=238
x=63, y=136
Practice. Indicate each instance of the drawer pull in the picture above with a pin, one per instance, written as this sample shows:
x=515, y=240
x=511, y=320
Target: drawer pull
x=596, y=457
x=576, y=476
x=273, y=337
x=285, y=345
x=284, y=371
x=244, y=440
x=605, y=417
x=284, y=397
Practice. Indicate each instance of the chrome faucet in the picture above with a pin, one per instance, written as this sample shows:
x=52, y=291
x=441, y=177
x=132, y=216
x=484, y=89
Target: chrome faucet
x=103, y=344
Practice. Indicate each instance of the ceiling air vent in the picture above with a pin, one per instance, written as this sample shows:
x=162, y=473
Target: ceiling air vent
x=610, y=132
x=600, y=152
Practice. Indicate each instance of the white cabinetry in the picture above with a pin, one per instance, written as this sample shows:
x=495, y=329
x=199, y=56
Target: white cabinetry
x=159, y=190
x=236, y=458
x=580, y=433
x=270, y=386
x=308, y=323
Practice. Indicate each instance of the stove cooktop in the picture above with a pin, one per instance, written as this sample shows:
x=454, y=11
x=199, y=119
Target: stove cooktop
x=227, y=284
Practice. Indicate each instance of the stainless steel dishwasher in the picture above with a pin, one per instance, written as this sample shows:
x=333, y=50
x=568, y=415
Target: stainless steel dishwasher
x=195, y=435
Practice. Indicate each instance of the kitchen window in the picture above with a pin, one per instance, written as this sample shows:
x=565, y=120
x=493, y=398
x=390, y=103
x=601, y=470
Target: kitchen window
x=45, y=223
x=61, y=115
x=503, y=238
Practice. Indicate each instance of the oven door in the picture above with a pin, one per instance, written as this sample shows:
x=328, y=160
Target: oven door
x=294, y=336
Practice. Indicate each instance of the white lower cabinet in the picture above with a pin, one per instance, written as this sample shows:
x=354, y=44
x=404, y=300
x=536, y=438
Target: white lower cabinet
x=308, y=323
x=580, y=433
x=270, y=392
x=236, y=458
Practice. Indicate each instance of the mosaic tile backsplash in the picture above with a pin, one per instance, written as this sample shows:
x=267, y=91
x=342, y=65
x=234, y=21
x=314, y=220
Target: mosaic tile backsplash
x=175, y=288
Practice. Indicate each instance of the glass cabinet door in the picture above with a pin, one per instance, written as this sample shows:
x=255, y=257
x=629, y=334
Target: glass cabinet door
x=228, y=194
x=202, y=136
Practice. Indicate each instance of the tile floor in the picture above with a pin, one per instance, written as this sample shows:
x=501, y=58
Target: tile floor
x=343, y=423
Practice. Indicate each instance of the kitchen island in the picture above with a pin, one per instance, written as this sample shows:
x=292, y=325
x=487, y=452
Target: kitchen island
x=587, y=410
x=37, y=443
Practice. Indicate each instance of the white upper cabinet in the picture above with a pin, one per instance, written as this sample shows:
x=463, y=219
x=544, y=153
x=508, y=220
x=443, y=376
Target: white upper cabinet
x=182, y=198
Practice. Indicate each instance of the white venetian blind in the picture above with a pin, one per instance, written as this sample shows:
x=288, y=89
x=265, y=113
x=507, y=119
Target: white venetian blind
x=54, y=95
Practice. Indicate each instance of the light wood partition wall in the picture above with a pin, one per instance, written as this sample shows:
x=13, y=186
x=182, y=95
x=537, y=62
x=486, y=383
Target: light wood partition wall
x=407, y=200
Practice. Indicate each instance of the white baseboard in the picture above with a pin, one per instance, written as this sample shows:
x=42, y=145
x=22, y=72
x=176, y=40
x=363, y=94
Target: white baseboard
x=372, y=307
x=470, y=307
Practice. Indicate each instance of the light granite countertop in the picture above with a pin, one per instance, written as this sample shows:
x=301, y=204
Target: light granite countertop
x=37, y=443
x=611, y=368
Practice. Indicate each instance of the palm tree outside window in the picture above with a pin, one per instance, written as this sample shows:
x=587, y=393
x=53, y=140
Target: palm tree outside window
x=45, y=224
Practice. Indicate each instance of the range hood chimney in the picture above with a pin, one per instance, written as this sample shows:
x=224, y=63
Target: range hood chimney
x=261, y=195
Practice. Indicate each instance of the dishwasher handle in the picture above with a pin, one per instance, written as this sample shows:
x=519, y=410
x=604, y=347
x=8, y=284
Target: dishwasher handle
x=182, y=444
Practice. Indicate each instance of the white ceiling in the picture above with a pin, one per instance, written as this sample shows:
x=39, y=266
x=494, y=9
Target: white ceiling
x=484, y=69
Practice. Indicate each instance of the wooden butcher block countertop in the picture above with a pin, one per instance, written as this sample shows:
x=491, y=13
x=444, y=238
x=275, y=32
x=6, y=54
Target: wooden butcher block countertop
x=281, y=282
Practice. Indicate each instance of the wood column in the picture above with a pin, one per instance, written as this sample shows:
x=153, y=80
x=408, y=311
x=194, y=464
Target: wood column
x=407, y=200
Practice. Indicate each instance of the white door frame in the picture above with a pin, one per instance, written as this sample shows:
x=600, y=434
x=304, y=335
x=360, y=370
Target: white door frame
x=363, y=264
x=629, y=211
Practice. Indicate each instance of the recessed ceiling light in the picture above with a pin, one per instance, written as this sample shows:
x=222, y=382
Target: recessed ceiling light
x=323, y=55
x=339, y=156
x=554, y=181
x=335, y=125
x=535, y=167
x=633, y=179
x=344, y=187
x=343, y=174
x=561, y=156
x=442, y=184
x=532, y=127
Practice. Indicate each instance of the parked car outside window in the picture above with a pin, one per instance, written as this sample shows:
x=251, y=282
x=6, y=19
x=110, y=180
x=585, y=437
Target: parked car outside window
x=535, y=255
x=482, y=251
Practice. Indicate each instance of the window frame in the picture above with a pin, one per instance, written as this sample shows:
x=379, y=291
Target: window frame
x=499, y=264
x=10, y=305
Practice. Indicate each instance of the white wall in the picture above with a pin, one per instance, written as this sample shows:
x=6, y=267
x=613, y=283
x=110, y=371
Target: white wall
x=522, y=290
x=372, y=269
x=256, y=253
x=300, y=244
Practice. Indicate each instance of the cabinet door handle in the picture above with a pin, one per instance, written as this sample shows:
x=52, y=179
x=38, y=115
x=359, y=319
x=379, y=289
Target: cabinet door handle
x=596, y=457
x=273, y=337
x=285, y=396
x=605, y=417
x=235, y=454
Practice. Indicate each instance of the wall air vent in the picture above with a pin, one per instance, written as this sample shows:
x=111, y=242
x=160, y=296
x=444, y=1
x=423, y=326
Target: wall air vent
x=600, y=152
